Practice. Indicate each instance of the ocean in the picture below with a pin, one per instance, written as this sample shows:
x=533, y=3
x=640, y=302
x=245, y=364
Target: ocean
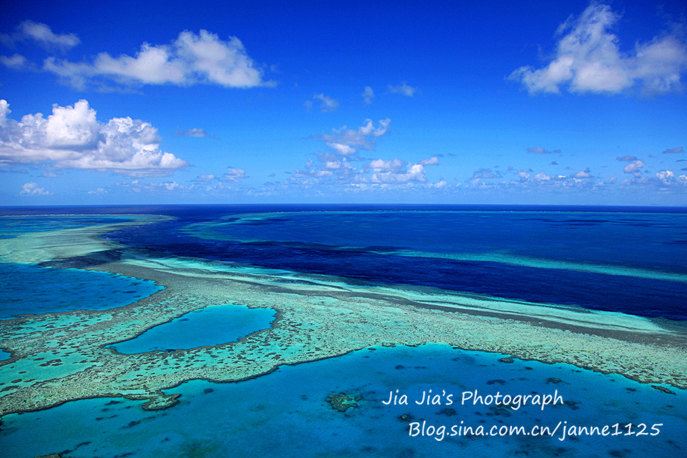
x=616, y=260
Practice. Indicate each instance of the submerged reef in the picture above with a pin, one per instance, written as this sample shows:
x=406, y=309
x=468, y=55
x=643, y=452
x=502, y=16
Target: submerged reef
x=59, y=357
x=341, y=402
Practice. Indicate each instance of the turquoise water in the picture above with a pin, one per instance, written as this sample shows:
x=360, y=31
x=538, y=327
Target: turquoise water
x=34, y=289
x=286, y=413
x=31, y=289
x=12, y=226
x=209, y=326
x=4, y=355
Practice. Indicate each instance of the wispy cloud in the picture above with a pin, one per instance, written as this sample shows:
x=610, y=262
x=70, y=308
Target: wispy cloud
x=15, y=61
x=41, y=34
x=403, y=89
x=368, y=95
x=99, y=191
x=72, y=137
x=634, y=166
x=195, y=132
x=588, y=59
x=542, y=150
x=235, y=174
x=674, y=150
x=325, y=102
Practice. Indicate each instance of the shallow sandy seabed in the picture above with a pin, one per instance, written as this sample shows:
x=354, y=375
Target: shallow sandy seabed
x=63, y=356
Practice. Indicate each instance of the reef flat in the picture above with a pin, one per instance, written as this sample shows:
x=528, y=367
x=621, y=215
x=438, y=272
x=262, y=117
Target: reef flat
x=69, y=244
x=64, y=356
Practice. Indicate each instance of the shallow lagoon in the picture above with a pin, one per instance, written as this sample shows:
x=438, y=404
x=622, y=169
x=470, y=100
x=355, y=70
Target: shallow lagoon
x=213, y=325
x=287, y=412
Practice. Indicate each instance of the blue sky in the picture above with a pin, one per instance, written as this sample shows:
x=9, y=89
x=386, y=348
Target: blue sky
x=506, y=102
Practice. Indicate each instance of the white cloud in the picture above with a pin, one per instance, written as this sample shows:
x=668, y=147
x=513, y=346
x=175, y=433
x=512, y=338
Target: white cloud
x=368, y=95
x=195, y=132
x=434, y=160
x=97, y=191
x=665, y=176
x=633, y=166
x=43, y=35
x=326, y=103
x=15, y=61
x=403, y=89
x=33, y=189
x=588, y=59
x=190, y=59
x=72, y=137
x=348, y=141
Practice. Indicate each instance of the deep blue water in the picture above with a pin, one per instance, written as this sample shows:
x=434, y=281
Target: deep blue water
x=212, y=325
x=286, y=413
x=363, y=246
x=4, y=355
x=33, y=289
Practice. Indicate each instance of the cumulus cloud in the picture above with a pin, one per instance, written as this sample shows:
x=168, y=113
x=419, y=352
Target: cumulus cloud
x=326, y=103
x=586, y=173
x=43, y=35
x=72, y=137
x=15, y=61
x=542, y=150
x=398, y=171
x=347, y=141
x=588, y=59
x=665, y=176
x=403, y=89
x=201, y=58
x=674, y=150
x=368, y=95
x=195, y=132
x=634, y=166
x=33, y=189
